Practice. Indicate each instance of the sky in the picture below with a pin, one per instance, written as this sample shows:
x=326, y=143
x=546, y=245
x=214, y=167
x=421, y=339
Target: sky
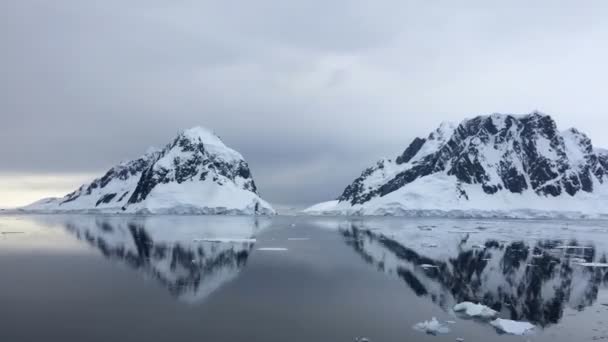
x=310, y=92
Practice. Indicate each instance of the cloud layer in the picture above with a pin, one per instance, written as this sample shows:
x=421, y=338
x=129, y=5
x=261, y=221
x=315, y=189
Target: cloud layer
x=310, y=92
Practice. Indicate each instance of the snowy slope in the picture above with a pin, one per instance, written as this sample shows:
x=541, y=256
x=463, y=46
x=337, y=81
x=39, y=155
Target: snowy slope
x=496, y=165
x=195, y=174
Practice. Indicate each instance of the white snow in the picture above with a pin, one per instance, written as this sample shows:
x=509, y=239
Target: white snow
x=428, y=266
x=437, y=195
x=432, y=327
x=475, y=310
x=322, y=207
x=435, y=140
x=199, y=197
x=512, y=327
x=572, y=142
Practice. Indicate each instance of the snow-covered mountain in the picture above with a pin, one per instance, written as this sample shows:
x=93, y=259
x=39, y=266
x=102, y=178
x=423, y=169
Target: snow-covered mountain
x=495, y=165
x=195, y=174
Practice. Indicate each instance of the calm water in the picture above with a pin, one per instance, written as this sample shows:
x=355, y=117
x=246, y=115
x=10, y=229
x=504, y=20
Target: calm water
x=100, y=278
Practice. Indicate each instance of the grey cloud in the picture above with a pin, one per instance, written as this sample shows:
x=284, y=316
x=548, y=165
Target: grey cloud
x=310, y=92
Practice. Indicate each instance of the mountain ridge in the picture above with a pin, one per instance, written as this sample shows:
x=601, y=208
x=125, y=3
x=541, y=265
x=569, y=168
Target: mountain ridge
x=499, y=154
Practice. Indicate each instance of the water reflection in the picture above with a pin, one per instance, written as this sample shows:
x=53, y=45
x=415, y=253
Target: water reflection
x=524, y=280
x=190, y=257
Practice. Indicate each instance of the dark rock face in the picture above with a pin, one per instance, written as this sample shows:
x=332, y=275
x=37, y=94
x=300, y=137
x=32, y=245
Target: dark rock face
x=411, y=151
x=105, y=198
x=498, y=153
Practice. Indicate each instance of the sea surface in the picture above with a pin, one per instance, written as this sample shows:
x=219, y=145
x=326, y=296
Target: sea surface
x=196, y=278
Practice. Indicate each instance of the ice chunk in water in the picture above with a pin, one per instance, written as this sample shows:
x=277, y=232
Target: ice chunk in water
x=475, y=310
x=432, y=327
x=512, y=327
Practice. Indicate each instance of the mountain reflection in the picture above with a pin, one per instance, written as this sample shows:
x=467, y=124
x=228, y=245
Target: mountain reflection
x=532, y=281
x=183, y=254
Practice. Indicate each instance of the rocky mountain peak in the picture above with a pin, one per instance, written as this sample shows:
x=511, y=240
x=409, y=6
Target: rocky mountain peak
x=503, y=153
x=195, y=173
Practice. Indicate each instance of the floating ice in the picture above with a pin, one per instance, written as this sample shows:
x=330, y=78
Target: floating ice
x=432, y=327
x=573, y=247
x=428, y=266
x=593, y=264
x=512, y=327
x=272, y=249
x=226, y=240
x=475, y=310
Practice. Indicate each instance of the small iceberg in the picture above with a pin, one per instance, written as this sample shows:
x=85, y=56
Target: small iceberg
x=273, y=249
x=475, y=310
x=432, y=327
x=226, y=240
x=508, y=326
x=428, y=266
x=593, y=264
x=573, y=247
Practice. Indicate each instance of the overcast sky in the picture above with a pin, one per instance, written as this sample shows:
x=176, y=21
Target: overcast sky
x=310, y=92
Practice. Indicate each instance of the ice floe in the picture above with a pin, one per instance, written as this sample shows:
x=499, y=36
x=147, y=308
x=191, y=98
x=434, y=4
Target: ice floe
x=272, y=249
x=428, y=266
x=432, y=327
x=226, y=240
x=512, y=327
x=475, y=310
x=593, y=264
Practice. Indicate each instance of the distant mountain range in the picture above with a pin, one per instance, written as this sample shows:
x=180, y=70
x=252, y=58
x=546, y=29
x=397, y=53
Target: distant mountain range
x=496, y=165
x=194, y=174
